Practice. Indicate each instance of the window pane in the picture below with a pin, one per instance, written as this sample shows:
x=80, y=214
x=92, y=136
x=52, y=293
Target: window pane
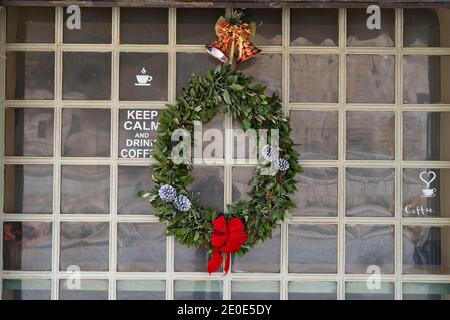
x=26, y=289
x=85, y=245
x=312, y=248
x=87, y=75
x=198, y=290
x=30, y=75
x=30, y=24
x=360, y=291
x=131, y=181
x=369, y=245
x=425, y=250
x=141, y=290
x=27, y=246
x=241, y=180
x=366, y=141
x=268, y=26
x=265, y=68
x=370, y=192
x=28, y=188
x=86, y=132
x=135, y=24
x=264, y=257
x=196, y=26
x=208, y=186
x=244, y=143
x=426, y=27
x=312, y=290
x=89, y=290
x=192, y=63
x=422, y=192
x=85, y=189
x=255, y=290
x=190, y=259
x=143, y=76
x=426, y=291
x=314, y=27
x=314, y=78
x=370, y=78
x=425, y=79
x=317, y=192
x=141, y=247
x=358, y=35
x=95, y=26
x=315, y=134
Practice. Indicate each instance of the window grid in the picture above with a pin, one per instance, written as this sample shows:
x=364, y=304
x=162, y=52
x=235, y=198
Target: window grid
x=113, y=162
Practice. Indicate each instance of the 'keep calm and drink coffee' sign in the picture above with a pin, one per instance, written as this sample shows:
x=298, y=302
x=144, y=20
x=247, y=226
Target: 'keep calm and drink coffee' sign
x=137, y=131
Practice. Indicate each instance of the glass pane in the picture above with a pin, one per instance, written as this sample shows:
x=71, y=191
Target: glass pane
x=312, y=248
x=86, y=132
x=371, y=78
x=30, y=75
x=196, y=26
x=315, y=134
x=422, y=196
x=137, y=131
x=426, y=291
x=426, y=250
x=208, y=186
x=370, y=192
x=264, y=257
x=244, y=143
x=131, y=181
x=426, y=27
x=366, y=141
x=141, y=247
x=241, y=180
x=28, y=188
x=366, y=246
x=135, y=24
x=265, y=68
x=27, y=246
x=85, y=245
x=358, y=35
x=143, y=76
x=255, y=290
x=192, y=63
x=360, y=291
x=85, y=189
x=30, y=24
x=314, y=78
x=198, y=290
x=317, y=192
x=190, y=259
x=26, y=289
x=314, y=27
x=268, y=26
x=29, y=132
x=87, y=75
x=141, y=290
x=425, y=79
x=312, y=290
x=95, y=26
x=426, y=135
x=89, y=290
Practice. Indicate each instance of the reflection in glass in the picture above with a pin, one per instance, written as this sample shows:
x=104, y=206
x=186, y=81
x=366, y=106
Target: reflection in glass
x=360, y=291
x=314, y=27
x=90, y=290
x=426, y=291
x=370, y=135
x=27, y=246
x=268, y=26
x=30, y=75
x=141, y=247
x=26, y=289
x=28, y=188
x=317, y=192
x=314, y=78
x=426, y=135
x=30, y=24
x=369, y=245
x=192, y=63
x=196, y=26
x=312, y=248
x=135, y=24
x=426, y=27
x=198, y=290
x=86, y=132
x=141, y=290
x=426, y=250
x=95, y=26
x=190, y=259
x=241, y=179
x=358, y=35
x=370, y=192
x=84, y=244
x=315, y=134
x=133, y=179
x=208, y=186
x=312, y=290
x=255, y=290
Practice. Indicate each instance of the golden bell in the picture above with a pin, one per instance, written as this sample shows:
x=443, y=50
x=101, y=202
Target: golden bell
x=218, y=50
x=249, y=51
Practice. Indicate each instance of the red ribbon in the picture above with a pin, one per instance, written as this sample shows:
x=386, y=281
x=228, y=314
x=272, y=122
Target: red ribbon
x=226, y=238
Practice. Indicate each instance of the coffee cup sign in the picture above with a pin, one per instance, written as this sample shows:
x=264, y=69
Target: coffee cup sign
x=143, y=79
x=137, y=127
x=428, y=177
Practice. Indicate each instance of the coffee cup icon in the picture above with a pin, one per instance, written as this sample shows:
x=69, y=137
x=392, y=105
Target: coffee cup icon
x=143, y=79
x=429, y=193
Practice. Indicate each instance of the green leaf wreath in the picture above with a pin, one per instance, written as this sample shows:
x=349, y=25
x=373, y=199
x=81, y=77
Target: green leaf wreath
x=226, y=90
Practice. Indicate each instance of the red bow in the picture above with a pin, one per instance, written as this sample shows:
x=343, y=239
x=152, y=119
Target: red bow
x=227, y=239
